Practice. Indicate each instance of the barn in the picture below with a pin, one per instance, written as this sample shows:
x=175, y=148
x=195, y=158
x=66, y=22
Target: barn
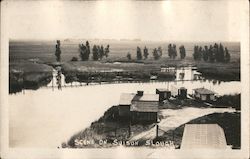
x=203, y=136
x=204, y=94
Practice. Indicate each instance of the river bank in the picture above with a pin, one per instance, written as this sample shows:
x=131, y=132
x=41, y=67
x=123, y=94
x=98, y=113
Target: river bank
x=220, y=71
x=28, y=75
x=145, y=71
x=111, y=128
x=33, y=74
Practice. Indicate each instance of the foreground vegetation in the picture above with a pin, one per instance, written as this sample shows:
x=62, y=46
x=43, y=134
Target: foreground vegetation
x=109, y=127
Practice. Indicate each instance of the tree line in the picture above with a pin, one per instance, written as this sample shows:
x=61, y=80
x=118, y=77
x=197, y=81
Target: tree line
x=98, y=51
x=212, y=53
x=158, y=52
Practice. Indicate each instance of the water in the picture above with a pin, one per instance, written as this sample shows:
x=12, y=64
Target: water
x=47, y=117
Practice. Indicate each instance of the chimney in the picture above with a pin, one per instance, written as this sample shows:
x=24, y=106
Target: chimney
x=140, y=93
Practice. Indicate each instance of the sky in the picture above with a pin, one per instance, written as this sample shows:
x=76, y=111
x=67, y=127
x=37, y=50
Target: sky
x=125, y=19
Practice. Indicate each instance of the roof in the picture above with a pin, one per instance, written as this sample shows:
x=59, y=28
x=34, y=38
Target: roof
x=203, y=136
x=162, y=89
x=126, y=98
x=144, y=106
x=182, y=88
x=147, y=97
x=203, y=91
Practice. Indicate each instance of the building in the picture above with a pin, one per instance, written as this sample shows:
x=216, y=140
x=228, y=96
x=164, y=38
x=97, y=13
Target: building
x=204, y=94
x=203, y=136
x=168, y=69
x=125, y=103
x=144, y=108
x=164, y=94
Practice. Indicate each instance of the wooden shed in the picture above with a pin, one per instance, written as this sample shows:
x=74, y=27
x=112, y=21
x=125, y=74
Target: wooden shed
x=163, y=94
x=204, y=94
x=144, y=108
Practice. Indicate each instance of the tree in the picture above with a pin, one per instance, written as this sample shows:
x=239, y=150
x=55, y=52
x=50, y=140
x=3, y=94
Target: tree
x=84, y=52
x=221, y=53
x=145, y=53
x=182, y=52
x=58, y=51
x=106, y=52
x=88, y=49
x=101, y=52
x=155, y=54
x=138, y=53
x=95, y=53
x=227, y=55
x=216, y=52
x=200, y=52
x=170, y=50
x=174, y=51
x=211, y=55
x=129, y=56
x=159, y=50
x=205, y=54
x=195, y=56
x=197, y=53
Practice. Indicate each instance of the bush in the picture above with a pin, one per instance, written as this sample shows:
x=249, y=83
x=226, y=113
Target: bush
x=74, y=59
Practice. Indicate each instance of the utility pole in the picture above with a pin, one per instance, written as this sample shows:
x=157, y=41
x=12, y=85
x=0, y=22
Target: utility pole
x=157, y=129
x=129, y=128
x=173, y=135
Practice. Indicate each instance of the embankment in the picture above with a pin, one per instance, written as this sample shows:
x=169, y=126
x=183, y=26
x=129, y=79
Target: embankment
x=28, y=75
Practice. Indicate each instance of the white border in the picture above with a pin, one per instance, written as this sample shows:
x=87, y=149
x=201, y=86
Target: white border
x=119, y=152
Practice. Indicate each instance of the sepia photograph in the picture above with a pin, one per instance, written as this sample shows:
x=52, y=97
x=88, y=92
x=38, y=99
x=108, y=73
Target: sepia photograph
x=147, y=76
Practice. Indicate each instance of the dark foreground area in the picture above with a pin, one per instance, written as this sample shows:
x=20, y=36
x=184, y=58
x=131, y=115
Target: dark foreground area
x=230, y=122
x=110, y=127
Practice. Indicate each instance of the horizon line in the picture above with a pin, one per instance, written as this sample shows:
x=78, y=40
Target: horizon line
x=115, y=39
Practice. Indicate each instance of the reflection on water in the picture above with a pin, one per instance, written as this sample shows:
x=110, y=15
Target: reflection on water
x=45, y=118
x=182, y=74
